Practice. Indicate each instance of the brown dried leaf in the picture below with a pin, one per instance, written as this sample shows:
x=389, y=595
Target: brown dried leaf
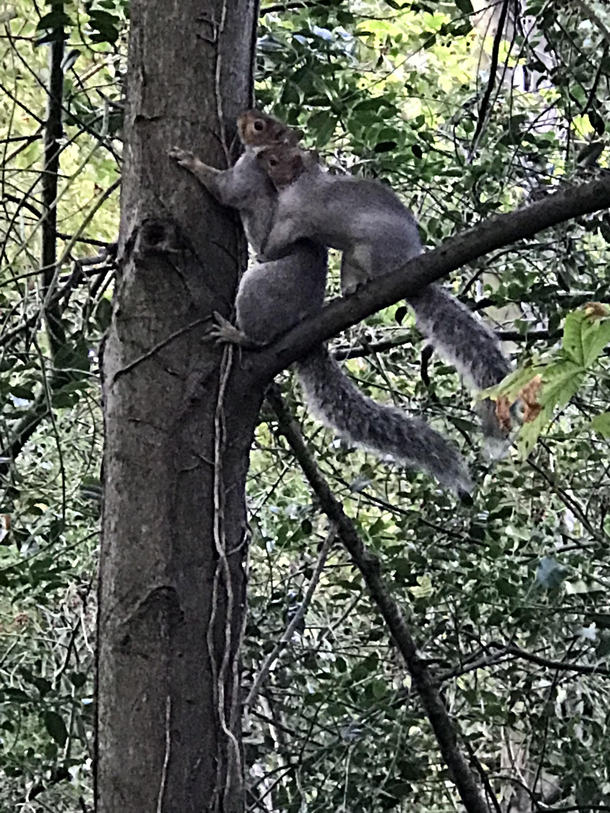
x=503, y=414
x=596, y=310
x=529, y=397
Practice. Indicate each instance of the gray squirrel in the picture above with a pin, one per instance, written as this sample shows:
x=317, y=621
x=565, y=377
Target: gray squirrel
x=377, y=234
x=275, y=295
x=245, y=186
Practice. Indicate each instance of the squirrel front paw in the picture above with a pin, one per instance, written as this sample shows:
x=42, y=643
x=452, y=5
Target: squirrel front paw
x=184, y=158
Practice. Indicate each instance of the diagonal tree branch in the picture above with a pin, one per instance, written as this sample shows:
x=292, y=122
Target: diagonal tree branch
x=24, y=430
x=369, y=566
x=427, y=268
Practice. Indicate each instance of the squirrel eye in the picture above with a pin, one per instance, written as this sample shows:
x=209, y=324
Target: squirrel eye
x=273, y=162
x=259, y=125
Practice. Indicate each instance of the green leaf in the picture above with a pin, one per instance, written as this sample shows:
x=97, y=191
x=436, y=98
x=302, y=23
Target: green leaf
x=103, y=313
x=374, y=103
x=78, y=679
x=513, y=383
x=74, y=354
x=23, y=392
x=560, y=382
x=323, y=124
x=601, y=424
x=530, y=433
x=572, y=337
x=385, y=146
x=602, y=650
x=56, y=727
x=104, y=25
x=43, y=685
x=596, y=336
x=597, y=122
x=54, y=19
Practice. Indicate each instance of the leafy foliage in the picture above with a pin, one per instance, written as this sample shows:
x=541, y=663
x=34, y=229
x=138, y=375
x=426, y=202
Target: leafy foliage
x=51, y=424
x=507, y=599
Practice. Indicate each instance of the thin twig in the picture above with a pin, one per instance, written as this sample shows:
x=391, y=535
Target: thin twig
x=53, y=132
x=159, y=346
x=294, y=623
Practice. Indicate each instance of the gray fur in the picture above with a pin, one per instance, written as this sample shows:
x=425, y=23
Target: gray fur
x=335, y=401
x=377, y=234
x=470, y=346
x=245, y=187
x=272, y=297
x=275, y=295
x=363, y=219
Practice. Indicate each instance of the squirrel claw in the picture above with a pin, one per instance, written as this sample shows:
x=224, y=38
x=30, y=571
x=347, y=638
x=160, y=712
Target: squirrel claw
x=183, y=157
x=226, y=333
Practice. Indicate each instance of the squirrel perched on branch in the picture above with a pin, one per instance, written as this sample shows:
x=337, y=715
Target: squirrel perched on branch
x=275, y=294
x=377, y=234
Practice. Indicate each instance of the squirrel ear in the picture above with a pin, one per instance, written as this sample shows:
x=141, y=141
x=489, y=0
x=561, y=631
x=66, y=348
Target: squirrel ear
x=294, y=136
x=298, y=163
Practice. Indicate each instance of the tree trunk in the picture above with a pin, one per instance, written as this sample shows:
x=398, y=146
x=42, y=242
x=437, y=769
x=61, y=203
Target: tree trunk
x=172, y=583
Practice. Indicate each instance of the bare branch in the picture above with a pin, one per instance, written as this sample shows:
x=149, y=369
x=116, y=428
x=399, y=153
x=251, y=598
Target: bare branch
x=565, y=666
x=493, y=69
x=297, y=5
x=368, y=348
x=23, y=432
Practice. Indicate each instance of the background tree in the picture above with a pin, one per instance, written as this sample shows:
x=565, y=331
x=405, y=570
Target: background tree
x=507, y=599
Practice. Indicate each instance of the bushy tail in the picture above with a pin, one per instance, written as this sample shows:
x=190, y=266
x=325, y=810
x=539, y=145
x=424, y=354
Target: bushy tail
x=466, y=343
x=338, y=404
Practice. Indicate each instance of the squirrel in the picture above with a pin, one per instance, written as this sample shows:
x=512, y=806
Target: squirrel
x=377, y=233
x=274, y=295
x=245, y=186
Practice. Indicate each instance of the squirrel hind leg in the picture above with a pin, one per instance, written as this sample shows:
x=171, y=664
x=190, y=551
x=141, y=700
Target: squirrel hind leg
x=226, y=333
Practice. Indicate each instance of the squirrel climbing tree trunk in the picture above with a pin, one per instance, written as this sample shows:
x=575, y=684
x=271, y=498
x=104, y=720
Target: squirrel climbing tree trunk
x=172, y=583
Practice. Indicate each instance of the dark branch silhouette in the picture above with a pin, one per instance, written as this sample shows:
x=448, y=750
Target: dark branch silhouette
x=53, y=133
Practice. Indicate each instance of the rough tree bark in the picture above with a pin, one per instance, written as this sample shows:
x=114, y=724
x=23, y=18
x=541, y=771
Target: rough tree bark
x=172, y=586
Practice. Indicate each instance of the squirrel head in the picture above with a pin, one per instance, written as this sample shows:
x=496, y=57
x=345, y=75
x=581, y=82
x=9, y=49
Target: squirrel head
x=284, y=164
x=257, y=129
